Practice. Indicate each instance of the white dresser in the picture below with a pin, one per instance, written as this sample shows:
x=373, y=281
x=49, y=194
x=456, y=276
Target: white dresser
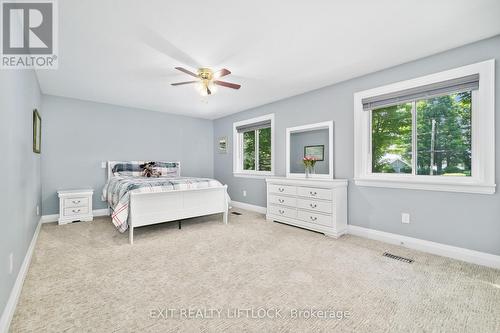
x=315, y=204
x=75, y=205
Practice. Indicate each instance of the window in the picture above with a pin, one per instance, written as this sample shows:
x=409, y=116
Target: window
x=442, y=131
x=434, y=132
x=253, y=148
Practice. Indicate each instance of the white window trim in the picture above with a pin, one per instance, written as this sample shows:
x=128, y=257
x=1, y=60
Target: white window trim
x=238, y=149
x=483, y=137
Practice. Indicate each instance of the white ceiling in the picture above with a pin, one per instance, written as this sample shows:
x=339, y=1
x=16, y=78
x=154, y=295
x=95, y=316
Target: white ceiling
x=124, y=52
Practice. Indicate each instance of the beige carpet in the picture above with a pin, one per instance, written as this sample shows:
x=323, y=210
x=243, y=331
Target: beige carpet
x=84, y=277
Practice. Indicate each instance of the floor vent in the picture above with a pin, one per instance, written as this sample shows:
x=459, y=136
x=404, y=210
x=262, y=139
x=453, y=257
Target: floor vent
x=235, y=213
x=395, y=257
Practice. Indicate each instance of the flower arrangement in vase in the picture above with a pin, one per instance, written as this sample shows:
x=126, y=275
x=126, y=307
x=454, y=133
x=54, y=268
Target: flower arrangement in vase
x=309, y=163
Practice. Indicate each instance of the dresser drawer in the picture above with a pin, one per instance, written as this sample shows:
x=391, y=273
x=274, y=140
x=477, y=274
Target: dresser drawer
x=316, y=193
x=281, y=200
x=76, y=211
x=316, y=205
x=326, y=220
x=76, y=202
x=282, y=189
x=283, y=211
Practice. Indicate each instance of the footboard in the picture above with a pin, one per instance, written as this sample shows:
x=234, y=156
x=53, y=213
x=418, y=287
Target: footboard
x=157, y=207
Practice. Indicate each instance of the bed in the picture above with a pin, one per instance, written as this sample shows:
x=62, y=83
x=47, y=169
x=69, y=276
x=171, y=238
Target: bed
x=137, y=201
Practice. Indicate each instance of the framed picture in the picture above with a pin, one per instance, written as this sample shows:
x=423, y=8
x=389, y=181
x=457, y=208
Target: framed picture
x=222, y=145
x=37, y=131
x=318, y=152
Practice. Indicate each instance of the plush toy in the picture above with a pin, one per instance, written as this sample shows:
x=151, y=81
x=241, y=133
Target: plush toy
x=149, y=170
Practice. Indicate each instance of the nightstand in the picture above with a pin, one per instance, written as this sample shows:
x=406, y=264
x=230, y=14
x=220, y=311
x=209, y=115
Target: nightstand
x=75, y=205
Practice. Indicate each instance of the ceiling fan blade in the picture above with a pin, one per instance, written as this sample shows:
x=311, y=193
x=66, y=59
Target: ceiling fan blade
x=186, y=71
x=221, y=73
x=227, y=84
x=181, y=83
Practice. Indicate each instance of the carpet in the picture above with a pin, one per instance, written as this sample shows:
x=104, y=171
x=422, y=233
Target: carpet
x=250, y=275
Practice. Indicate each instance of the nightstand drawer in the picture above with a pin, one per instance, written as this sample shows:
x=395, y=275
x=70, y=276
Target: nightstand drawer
x=75, y=211
x=76, y=202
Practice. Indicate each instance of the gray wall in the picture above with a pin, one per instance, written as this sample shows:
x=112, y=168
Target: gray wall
x=20, y=191
x=79, y=135
x=309, y=138
x=466, y=220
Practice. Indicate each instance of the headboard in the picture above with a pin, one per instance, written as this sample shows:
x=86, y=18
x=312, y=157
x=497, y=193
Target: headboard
x=111, y=164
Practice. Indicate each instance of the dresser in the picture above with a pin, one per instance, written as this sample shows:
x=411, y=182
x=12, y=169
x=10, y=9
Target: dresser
x=315, y=204
x=75, y=205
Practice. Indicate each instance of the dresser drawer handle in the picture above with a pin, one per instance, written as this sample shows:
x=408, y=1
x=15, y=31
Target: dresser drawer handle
x=281, y=200
x=281, y=189
x=313, y=205
x=281, y=211
x=76, y=202
x=313, y=193
x=313, y=218
x=76, y=210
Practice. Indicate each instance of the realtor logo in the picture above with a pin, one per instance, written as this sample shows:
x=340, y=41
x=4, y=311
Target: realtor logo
x=29, y=34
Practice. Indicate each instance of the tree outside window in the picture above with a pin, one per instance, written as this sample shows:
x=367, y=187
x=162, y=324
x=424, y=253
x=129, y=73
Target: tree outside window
x=441, y=127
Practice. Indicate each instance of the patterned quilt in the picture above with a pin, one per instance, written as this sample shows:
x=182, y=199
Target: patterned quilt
x=117, y=192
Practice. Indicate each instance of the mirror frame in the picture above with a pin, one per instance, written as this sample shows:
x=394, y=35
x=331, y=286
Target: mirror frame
x=305, y=128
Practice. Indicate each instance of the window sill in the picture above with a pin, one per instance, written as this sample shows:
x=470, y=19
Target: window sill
x=412, y=184
x=253, y=175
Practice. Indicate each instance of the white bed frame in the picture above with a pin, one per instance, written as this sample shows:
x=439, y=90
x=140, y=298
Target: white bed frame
x=158, y=207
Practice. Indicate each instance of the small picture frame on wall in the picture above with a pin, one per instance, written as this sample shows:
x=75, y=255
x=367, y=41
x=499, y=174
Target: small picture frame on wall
x=222, y=145
x=317, y=152
x=37, y=132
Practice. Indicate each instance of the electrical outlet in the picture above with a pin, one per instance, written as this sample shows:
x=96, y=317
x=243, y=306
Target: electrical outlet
x=405, y=218
x=11, y=262
x=103, y=165
x=37, y=210
x=244, y=193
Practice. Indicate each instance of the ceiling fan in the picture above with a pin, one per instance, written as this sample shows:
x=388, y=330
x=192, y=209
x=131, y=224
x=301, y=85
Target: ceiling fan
x=207, y=80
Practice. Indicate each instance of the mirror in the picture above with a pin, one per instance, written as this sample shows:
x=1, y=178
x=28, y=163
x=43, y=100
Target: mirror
x=313, y=142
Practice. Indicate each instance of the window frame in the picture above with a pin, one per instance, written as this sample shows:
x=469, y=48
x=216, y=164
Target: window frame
x=238, y=170
x=482, y=179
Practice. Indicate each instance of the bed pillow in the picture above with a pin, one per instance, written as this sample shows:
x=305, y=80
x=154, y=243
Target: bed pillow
x=131, y=168
x=167, y=169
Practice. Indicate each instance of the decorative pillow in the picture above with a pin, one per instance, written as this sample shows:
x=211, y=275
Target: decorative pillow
x=149, y=170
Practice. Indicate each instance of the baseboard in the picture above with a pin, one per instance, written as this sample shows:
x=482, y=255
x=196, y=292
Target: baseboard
x=471, y=256
x=253, y=208
x=54, y=217
x=101, y=212
x=10, y=307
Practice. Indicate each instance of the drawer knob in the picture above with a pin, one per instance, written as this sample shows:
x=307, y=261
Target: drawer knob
x=281, y=200
x=313, y=193
x=76, y=210
x=281, y=189
x=313, y=205
x=281, y=211
x=76, y=202
x=313, y=218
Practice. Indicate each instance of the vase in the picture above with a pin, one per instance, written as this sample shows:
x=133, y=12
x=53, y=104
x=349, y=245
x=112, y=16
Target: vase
x=308, y=172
